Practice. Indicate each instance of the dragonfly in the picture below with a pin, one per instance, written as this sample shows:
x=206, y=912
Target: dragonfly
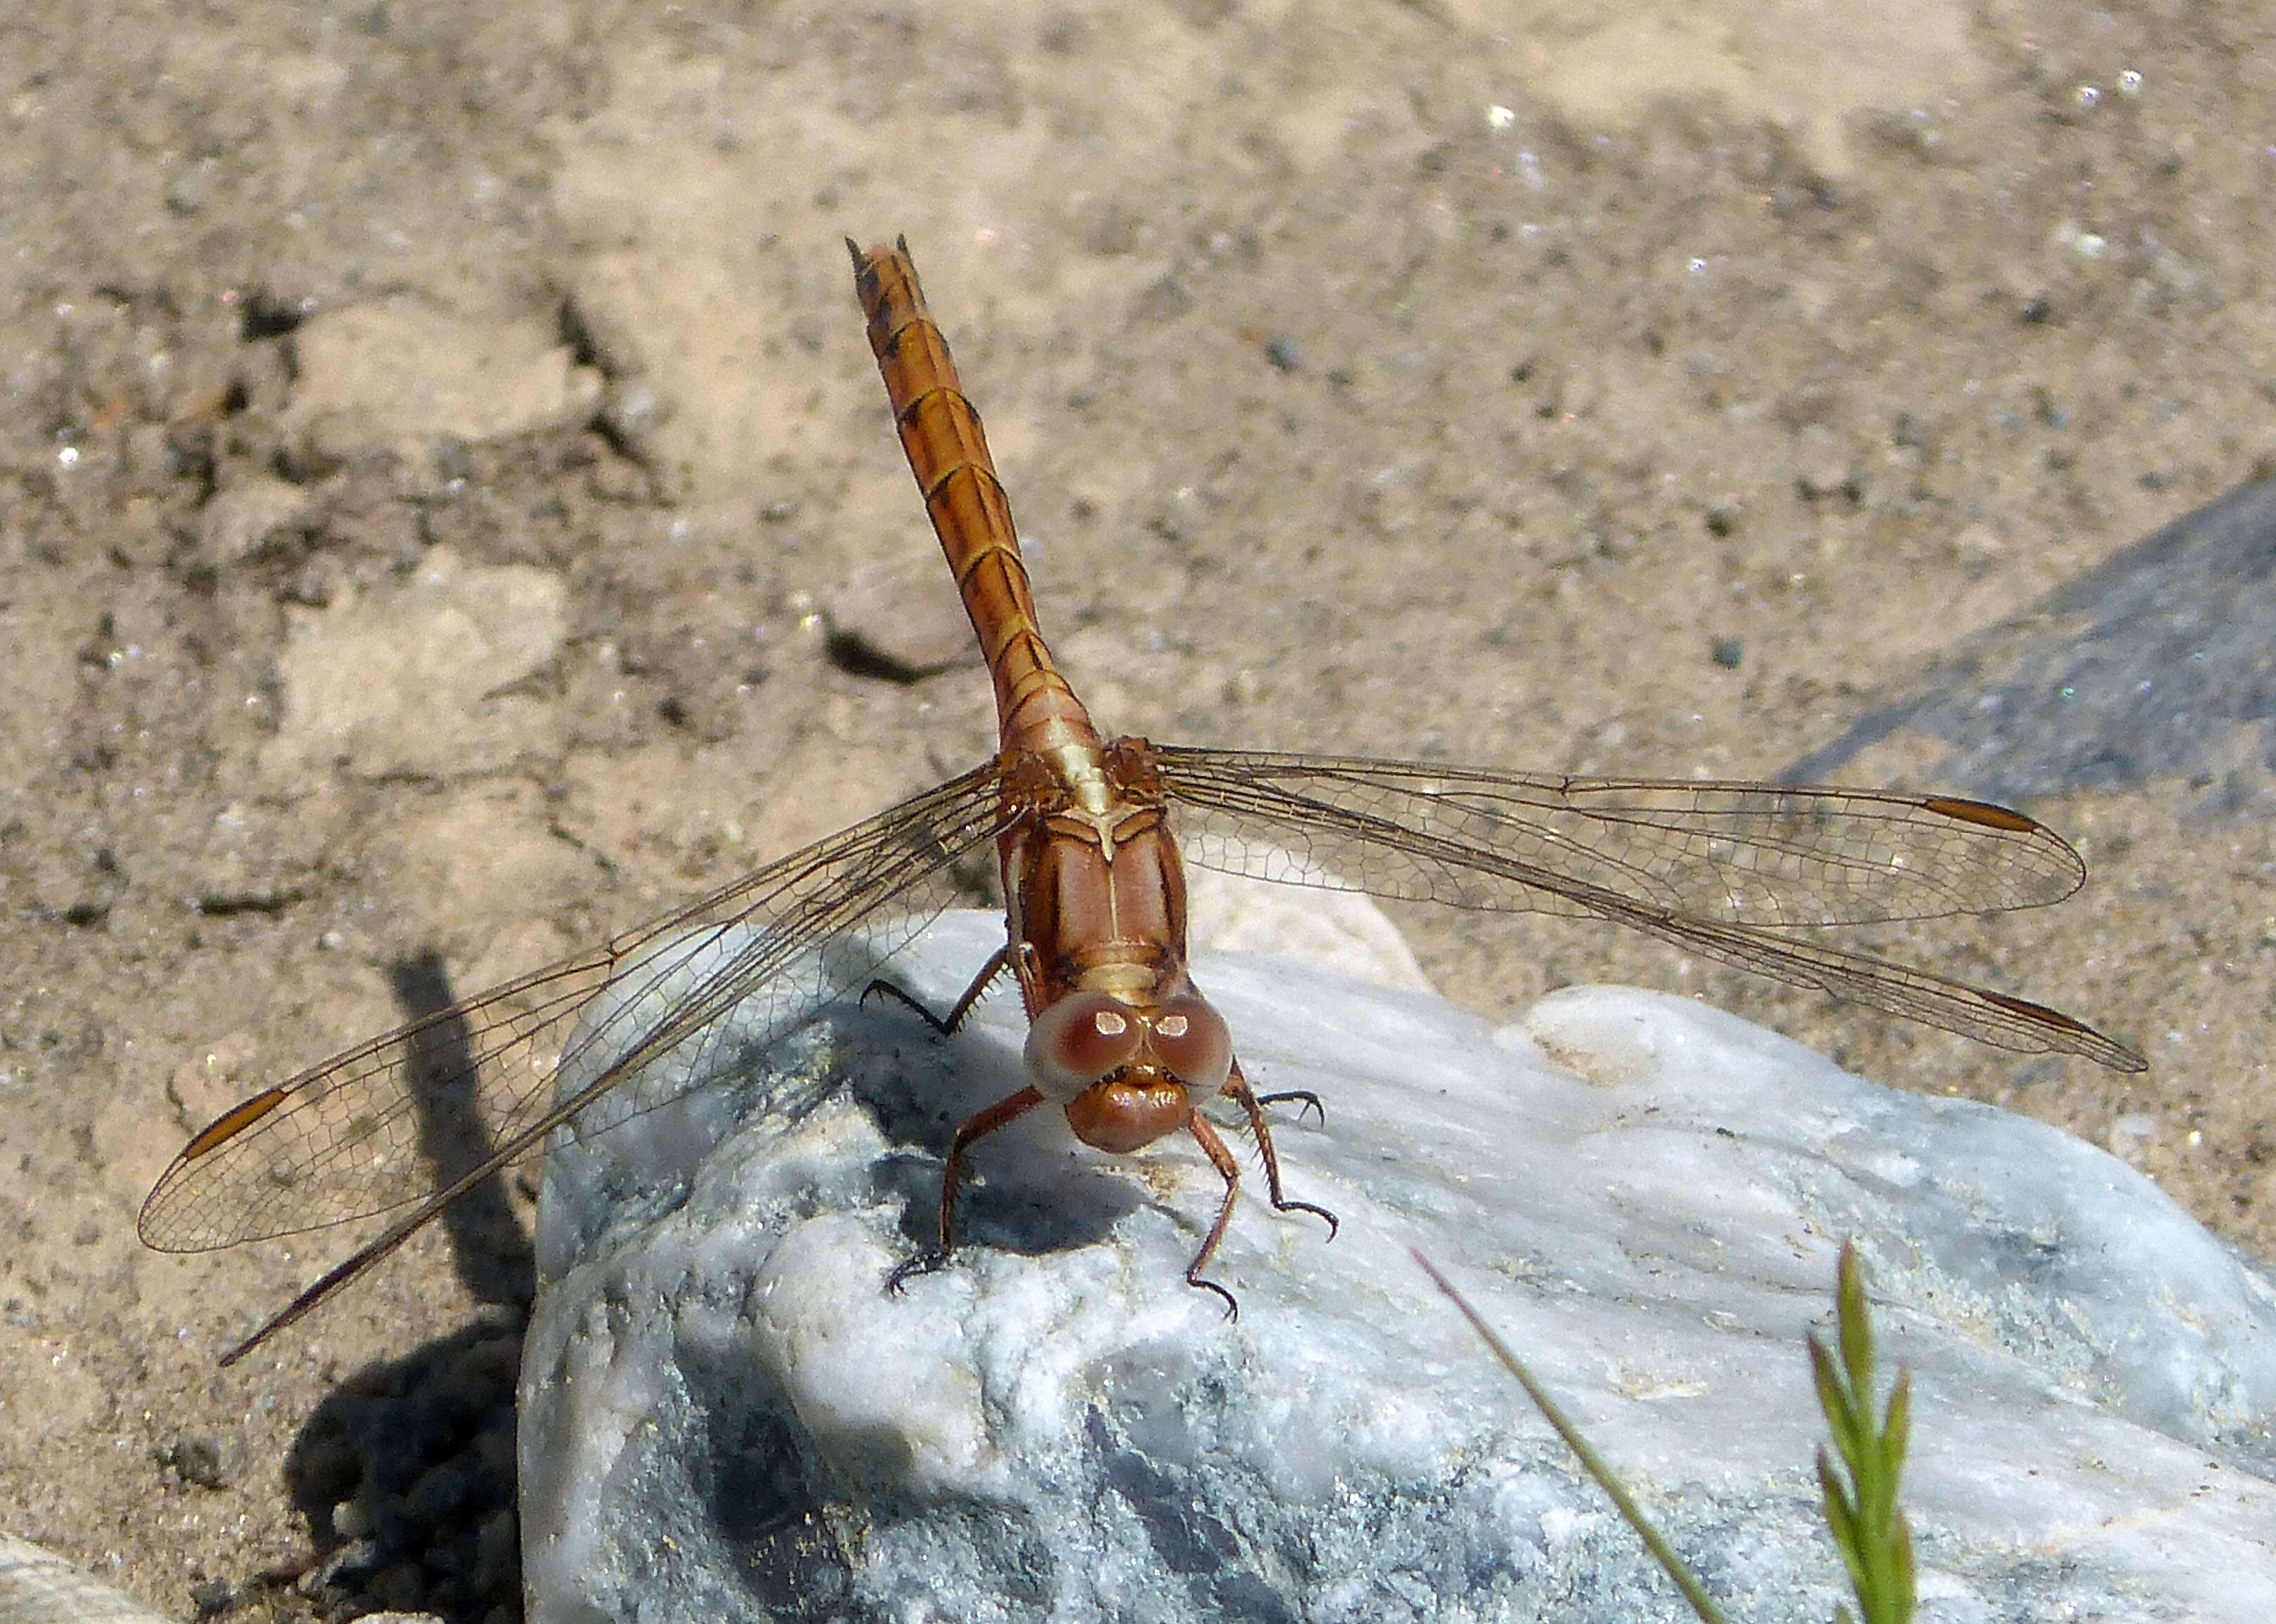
x=1090, y=837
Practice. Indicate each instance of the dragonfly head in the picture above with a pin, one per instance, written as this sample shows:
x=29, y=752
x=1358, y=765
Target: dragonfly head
x=1127, y=1073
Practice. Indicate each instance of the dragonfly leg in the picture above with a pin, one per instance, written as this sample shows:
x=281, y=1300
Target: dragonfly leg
x=1229, y=1171
x=1310, y=1102
x=975, y=1128
x=946, y=1025
x=1236, y=1086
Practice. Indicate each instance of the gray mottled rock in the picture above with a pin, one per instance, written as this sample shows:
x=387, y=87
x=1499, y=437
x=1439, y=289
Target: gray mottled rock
x=725, y=1415
x=2158, y=663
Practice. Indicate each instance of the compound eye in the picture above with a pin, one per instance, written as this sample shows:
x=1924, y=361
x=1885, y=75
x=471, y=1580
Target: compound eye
x=1080, y=1040
x=1192, y=1042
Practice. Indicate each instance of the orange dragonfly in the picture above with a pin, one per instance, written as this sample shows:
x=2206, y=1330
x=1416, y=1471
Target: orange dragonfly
x=1119, y=1037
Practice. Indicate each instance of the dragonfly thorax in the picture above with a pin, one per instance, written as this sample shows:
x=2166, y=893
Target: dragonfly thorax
x=1076, y=764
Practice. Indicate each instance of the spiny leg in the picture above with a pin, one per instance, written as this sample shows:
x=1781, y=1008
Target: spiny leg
x=1229, y=1171
x=975, y=1128
x=1310, y=1102
x=1237, y=1089
x=946, y=1025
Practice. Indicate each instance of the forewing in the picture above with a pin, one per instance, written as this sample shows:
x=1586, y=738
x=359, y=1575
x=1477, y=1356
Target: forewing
x=1715, y=868
x=1768, y=856
x=342, y=1141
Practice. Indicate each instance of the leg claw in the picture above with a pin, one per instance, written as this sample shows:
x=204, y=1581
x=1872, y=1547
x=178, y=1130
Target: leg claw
x=1306, y=1101
x=1232, y=1306
x=924, y=1262
x=1334, y=1223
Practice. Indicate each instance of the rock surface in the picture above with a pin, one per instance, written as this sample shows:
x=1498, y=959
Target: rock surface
x=39, y=1587
x=2153, y=666
x=400, y=374
x=409, y=677
x=725, y=1416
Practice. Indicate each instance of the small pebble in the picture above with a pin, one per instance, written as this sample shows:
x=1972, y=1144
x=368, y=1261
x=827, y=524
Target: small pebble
x=196, y=1459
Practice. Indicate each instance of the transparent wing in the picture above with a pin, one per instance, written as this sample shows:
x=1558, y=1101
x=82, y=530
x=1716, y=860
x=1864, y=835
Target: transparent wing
x=1720, y=869
x=1773, y=856
x=342, y=1141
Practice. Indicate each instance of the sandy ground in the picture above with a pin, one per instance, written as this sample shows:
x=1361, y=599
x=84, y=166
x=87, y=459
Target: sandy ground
x=439, y=440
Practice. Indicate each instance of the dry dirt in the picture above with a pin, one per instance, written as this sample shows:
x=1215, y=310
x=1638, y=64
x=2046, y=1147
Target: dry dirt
x=1436, y=379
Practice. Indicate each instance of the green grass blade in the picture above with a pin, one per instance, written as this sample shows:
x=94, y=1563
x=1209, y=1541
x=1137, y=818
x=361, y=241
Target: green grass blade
x=1662, y=1552
x=1861, y=1493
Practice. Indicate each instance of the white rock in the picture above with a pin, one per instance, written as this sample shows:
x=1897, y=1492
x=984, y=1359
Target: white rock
x=1315, y=921
x=39, y=1587
x=725, y=1415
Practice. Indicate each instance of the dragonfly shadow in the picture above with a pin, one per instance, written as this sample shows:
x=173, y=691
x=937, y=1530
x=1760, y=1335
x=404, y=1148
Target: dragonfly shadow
x=406, y=1472
x=489, y=1248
